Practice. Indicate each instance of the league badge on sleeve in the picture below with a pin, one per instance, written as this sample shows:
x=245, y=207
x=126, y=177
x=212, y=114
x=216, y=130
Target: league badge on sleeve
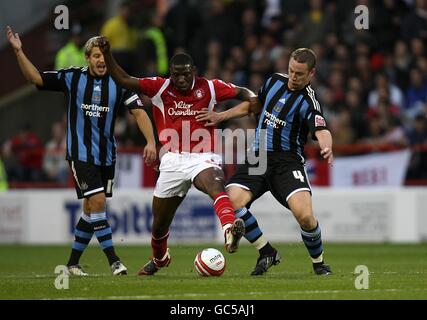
x=319, y=121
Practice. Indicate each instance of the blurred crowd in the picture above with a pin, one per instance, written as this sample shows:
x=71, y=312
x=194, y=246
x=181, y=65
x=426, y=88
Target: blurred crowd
x=371, y=83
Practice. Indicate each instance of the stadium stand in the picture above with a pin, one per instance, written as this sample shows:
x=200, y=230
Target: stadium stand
x=371, y=83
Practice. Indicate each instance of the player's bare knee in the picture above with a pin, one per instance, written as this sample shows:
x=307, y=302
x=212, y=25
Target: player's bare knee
x=307, y=221
x=97, y=203
x=86, y=207
x=239, y=198
x=237, y=203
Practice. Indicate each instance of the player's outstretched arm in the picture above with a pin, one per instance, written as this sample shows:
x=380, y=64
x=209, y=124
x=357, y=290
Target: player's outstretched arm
x=213, y=118
x=119, y=75
x=29, y=71
x=145, y=126
x=249, y=105
x=325, y=142
x=245, y=94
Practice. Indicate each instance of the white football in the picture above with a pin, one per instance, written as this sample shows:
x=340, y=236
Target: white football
x=210, y=262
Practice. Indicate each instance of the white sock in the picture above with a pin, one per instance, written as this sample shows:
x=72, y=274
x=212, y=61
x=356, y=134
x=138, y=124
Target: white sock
x=260, y=242
x=318, y=259
x=226, y=226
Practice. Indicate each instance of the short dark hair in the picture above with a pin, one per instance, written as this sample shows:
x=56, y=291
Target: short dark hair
x=305, y=55
x=181, y=59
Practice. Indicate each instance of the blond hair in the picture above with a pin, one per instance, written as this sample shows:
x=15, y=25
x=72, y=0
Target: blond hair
x=90, y=44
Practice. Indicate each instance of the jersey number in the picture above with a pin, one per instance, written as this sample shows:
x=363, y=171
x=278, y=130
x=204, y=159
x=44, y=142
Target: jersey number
x=298, y=175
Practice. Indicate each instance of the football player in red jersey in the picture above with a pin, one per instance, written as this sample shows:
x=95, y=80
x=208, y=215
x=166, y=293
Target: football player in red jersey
x=190, y=157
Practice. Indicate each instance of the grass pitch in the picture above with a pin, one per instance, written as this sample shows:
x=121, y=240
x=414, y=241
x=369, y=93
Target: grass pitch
x=395, y=272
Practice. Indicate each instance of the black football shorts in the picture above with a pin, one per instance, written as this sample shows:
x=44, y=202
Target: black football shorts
x=285, y=175
x=90, y=179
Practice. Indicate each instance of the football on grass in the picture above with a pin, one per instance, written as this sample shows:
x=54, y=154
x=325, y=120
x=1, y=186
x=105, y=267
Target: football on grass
x=210, y=262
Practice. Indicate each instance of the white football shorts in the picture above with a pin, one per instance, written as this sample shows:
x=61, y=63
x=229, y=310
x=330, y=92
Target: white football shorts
x=178, y=170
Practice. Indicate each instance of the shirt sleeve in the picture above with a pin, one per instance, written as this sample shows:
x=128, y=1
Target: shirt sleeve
x=223, y=90
x=150, y=86
x=132, y=101
x=53, y=80
x=262, y=90
x=314, y=117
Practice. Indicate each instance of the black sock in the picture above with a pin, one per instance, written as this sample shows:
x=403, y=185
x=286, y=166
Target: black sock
x=313, y=241
x=104, y=235
x=266, y=250
x=82, y=235
x=252, y=230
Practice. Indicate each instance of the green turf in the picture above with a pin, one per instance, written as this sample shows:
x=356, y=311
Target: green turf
x=396, y=272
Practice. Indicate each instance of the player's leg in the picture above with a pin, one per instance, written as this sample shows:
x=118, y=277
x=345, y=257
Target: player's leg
x=268, y=256
x=243, y=189
x=103, y=232
x=94, y=183
x=99, y=219
x=289, y=184
x=301, y=206
x=83, y=233
x=211, y=182
x=171, y=188
x=163, y=213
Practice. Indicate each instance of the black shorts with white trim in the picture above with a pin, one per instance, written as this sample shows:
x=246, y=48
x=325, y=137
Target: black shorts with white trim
x=285, y=175
x=90, y=179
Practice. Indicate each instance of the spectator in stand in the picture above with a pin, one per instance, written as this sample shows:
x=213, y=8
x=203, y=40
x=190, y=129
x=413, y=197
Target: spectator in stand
x=417, y=136
x=152, y=47
x=72, y=54
x=24, y=154
x=353, y=102
x=54, y=165
x=361, y=71
x=416, y=94
x=402, y=60
x=384, y=127
x=418, y=133
x=382, y=82
x=123, y=38
x=417, y=48
x=336, y=82
x=341, y=125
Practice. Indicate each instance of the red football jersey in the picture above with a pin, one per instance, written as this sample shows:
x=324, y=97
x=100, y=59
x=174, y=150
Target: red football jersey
x=174, y=113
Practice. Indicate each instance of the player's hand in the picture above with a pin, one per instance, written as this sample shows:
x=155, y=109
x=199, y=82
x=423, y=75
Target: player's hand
x=103, y=44
x=212, y=118
x=327, y=154
x=150, y=153
x=13, y=39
